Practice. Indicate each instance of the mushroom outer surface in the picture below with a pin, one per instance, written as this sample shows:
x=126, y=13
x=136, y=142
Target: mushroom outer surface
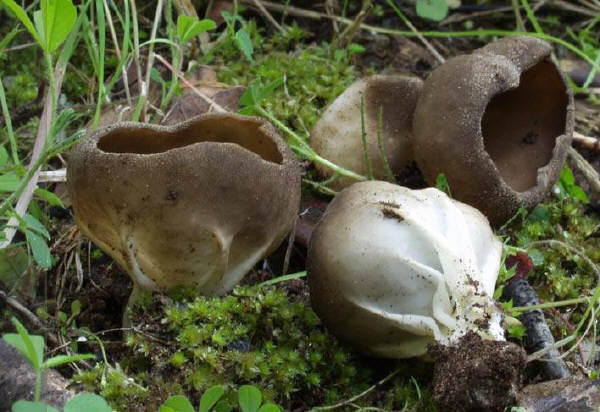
x=391, y=270
x=337, y=136
x=197, y=203
x=498, y=123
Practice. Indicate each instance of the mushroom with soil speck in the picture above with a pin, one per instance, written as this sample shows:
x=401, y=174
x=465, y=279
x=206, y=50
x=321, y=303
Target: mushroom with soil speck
x=393, y=271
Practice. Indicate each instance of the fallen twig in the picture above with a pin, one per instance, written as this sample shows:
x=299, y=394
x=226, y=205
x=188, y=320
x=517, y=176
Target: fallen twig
x=360, y=395
x=28, y=315
x=588, y=142
x=586, y=169
x=266, y=13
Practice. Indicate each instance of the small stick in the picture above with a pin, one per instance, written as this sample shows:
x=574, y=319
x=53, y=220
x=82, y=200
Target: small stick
x=346, y=36
x=266, y=13
x=412, y=28
x=586, y=169
x=360, y=395
x=29, y=315
x=586, y=141
x=290, y=246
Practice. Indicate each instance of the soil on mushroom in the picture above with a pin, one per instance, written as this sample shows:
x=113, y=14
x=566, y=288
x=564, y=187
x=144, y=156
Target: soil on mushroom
x=477, y=374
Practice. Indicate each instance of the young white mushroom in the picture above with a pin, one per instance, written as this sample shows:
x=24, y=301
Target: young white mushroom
x=392, y=270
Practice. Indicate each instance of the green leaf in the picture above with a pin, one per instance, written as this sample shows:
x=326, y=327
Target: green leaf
x=244, y=43
x=13, y=263
x=566, y=176
x=223, y=406
x=27, y=406
x=39, y=248
x=269, y=407
x=536, y=256
x=58, y=17
x=38, y=19
x=177, y=403
x=356, y=48
x=62, y=359
x=435, y=10
x=578, y=193
x=269, y=89
x=75, y=307
x=189, y=27
x=36, y=225
x=49, y=197
x=3, y=156
x=539, y=214
x=441, y=182
x=30, y=346
x=21, y=15
x=88, y=402
x=249, y=398
x=9, y=182
x=210, y=398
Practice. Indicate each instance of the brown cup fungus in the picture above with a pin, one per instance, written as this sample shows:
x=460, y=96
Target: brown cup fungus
x=498, y=123
x=337, y=136
x=197, y=203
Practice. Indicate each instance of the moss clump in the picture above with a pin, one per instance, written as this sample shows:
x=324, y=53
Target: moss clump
x=253, y=336
x=559, y=273
x=313, y=77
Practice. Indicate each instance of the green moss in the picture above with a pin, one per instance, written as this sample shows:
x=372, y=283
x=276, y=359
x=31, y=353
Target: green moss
x=313, y=77
x=253, y=336
x=560, y=273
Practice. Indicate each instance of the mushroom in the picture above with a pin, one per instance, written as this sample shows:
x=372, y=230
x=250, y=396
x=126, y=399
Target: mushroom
x=337, y=136
x=392, y=270
x=498, y=123
x=197, y=203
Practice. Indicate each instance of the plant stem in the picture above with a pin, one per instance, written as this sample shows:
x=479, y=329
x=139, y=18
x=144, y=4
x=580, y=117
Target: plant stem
x=9, y=128
x=38, y=385
x=548, y=305
x=305, y=150
x=50, y=72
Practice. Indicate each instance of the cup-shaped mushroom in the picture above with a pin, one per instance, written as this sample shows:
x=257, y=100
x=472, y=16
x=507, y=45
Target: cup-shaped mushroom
x=197, y=203
x=498, y=123
x=392, y=270
x=337, y=136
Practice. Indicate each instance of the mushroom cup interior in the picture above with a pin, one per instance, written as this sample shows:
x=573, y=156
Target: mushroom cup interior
x=244, y=133
x=520, y=126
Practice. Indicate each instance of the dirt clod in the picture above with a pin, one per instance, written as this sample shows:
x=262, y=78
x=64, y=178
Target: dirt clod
x=477, y=374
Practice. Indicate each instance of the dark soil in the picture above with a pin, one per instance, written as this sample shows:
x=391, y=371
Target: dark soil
x=477, y=375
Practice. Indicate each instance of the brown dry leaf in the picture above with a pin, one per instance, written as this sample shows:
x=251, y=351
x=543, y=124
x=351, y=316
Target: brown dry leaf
x=219, y=6
x=190, y=104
